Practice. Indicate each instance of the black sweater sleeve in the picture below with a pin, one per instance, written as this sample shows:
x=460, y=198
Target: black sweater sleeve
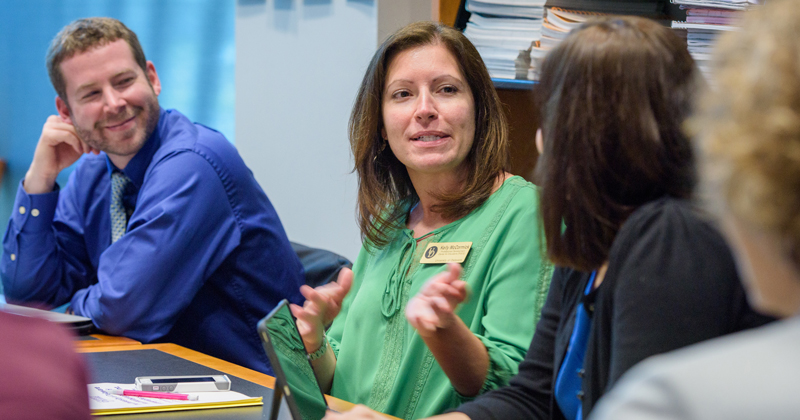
x=676, y=285
x=671, y=282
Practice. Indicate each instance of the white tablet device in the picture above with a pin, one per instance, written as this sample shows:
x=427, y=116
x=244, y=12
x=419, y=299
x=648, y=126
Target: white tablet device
x=183, y=384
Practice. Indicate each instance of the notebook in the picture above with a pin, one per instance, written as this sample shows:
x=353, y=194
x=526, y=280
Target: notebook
x=295, y=382
x=80, y=325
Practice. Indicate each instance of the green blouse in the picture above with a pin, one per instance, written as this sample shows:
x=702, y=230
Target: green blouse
x=381, y=360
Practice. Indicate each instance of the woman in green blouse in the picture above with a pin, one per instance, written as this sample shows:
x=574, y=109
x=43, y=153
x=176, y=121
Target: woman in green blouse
x=412, y=336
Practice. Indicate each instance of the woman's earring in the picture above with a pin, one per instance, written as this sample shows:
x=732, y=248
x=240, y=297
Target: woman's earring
x=383, y=147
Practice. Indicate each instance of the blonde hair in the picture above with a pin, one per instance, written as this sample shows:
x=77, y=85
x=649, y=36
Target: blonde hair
x=749, y=125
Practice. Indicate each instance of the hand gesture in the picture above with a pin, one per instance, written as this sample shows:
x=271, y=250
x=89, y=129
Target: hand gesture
x=433, y=307
x=320, y=308
x=59, y=146
x=358, y=412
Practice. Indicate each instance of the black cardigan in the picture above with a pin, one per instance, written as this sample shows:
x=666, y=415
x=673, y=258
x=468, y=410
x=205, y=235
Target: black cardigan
x=671, y=282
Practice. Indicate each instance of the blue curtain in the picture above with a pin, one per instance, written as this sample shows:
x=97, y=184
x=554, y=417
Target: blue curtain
x=191, y=43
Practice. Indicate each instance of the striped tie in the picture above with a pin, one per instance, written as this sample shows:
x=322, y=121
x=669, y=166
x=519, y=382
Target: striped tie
x=119, y=217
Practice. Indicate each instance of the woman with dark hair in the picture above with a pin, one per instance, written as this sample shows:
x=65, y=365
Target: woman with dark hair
x=431, y=146
x=638, y=272
x=748, y=133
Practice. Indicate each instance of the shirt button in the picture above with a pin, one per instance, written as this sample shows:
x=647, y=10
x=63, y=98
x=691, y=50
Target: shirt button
x=13, y=257
x=581, y=372
x=21, y=209
x=35, y=212
x=580, y=395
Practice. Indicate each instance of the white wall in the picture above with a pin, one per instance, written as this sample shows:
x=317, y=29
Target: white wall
x=394, y=14
x=299, y=64
x=298, y=67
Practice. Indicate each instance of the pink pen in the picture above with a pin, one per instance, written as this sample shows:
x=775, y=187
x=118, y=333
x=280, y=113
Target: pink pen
x=151, y=394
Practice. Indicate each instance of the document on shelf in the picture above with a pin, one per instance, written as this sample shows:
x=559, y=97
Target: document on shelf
x=103, y=401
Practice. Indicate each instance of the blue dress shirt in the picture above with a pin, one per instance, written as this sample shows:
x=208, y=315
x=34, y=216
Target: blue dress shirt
x=204, y=257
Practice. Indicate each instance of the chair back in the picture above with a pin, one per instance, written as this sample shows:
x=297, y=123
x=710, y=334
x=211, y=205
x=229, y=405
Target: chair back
x=321, y=266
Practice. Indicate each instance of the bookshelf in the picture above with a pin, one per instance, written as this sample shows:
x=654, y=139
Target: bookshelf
x=513, y=84
x=518, y=96
x=523, y=121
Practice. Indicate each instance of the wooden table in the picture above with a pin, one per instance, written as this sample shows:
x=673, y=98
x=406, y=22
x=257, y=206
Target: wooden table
x=93, y=355
x=102, y=340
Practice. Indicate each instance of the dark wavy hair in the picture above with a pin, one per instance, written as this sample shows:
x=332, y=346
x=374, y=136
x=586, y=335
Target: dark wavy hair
x=383, y=181
x=615, y=94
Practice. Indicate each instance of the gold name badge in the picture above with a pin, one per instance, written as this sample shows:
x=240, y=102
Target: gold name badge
x=446, y=252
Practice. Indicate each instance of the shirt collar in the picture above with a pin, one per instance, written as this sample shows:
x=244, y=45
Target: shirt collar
x=138, y=165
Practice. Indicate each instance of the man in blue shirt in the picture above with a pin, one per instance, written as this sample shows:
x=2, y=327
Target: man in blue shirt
x=161, y=233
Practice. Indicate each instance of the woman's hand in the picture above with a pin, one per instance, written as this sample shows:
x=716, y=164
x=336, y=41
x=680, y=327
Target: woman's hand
x=359, y=412
x=320, y=308
x=433, y=307
x=461, y=355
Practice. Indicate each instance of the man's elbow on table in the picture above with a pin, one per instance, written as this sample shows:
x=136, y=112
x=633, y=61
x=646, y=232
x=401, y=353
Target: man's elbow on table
x=117, y=317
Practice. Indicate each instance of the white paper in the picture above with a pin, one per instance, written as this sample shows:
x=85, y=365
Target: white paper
x=101, y=399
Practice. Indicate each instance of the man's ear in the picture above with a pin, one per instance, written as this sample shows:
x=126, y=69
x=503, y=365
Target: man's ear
x=152, y=76
x=63, y=110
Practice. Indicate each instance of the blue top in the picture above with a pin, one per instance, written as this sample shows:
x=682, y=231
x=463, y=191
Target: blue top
x=568, y=393
x=204, y=257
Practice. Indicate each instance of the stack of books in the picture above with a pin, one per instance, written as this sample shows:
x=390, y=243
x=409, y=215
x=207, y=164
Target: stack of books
x=503, y=31
x=705, y=21
x=558, y=23
x=562, y=16
x=614, y=7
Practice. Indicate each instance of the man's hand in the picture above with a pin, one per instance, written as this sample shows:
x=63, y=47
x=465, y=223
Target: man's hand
x=59, y=146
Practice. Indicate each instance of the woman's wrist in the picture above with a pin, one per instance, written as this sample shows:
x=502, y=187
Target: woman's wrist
x=319, y=352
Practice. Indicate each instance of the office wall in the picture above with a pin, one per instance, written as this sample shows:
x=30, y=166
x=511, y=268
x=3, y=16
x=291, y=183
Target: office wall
x=394, y=14
x=299, y=64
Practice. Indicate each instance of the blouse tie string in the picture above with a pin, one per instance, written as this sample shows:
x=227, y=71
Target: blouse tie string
x=391, y=294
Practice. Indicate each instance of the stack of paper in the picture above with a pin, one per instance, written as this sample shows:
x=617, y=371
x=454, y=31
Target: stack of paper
x=650, y=8
x=705, y=20
x=501, y=29
x=103, y=402
x=558, y=23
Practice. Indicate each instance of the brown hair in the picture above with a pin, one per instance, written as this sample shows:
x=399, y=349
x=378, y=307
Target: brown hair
x=82, y=35
x=749, y=127
x=384, y=185
x=615, y=93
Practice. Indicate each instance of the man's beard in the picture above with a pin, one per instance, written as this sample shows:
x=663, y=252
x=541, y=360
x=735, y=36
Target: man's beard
x=94, y=137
